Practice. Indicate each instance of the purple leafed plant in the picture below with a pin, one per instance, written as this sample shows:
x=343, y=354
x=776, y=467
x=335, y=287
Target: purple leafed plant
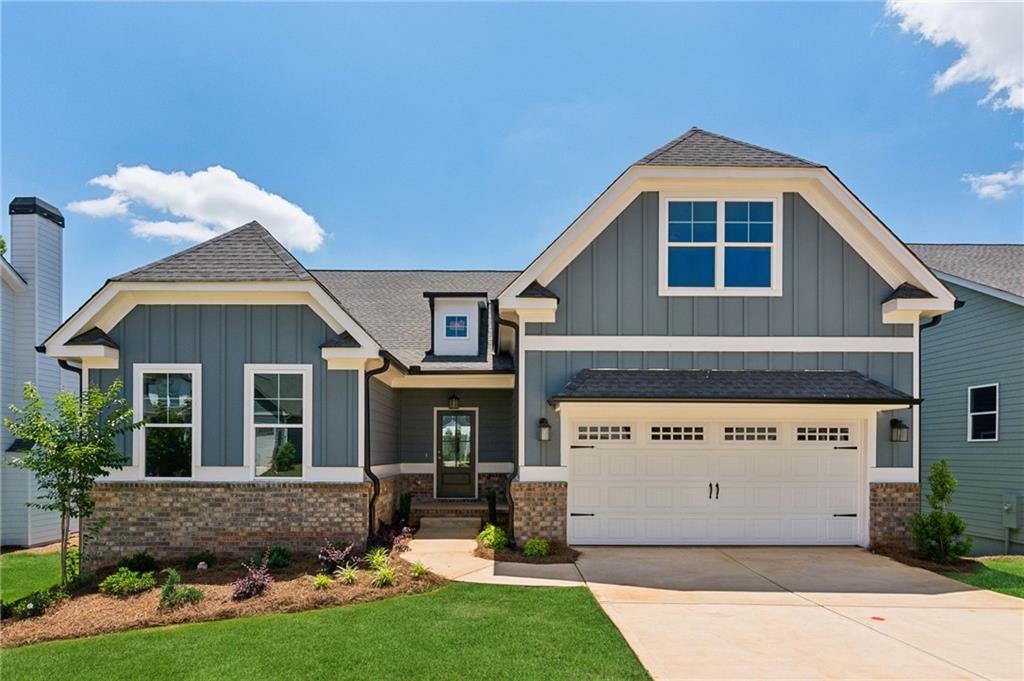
x=391, y=538
x=255, y=582
x=332, y=557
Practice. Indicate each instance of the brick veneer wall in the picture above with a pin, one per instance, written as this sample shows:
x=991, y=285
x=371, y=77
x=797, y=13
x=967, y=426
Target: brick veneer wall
x=540, y=510
x=386, y=507
x=232, y=519
x=892, y=503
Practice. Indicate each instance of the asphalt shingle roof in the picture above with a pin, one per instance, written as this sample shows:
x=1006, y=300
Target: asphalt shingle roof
x=698, y=147
x=906, y=290
x=722, y=385
x=999, y=266
x=246, y=253
x=391, y=307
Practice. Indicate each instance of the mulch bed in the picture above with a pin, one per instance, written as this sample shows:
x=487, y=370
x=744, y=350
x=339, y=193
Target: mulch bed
x=90, y=613
x=907, y=557
x=557, y=553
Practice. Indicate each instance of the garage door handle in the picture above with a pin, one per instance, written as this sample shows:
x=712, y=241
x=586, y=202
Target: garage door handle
x=581, y=446
x=716, y=490
x=845, y=447
x=709, y=490
x=589, y=515
x=844, y=515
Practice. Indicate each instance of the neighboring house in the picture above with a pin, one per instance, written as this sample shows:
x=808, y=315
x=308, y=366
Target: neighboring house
x=722, y=349
x=972, y=381
x=30, y=308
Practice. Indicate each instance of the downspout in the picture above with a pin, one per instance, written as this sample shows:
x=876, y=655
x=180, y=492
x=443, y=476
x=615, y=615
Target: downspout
x=67, y=366
x=515, y=426
x=367, y=468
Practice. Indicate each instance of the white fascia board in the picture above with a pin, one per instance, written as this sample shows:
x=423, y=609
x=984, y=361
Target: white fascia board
x=83, y=352
x=910, y=310
x=465, y=381
x=718, y=410
x=981, y=288
x=11, y=277
x=720, y=343
x=840, y=208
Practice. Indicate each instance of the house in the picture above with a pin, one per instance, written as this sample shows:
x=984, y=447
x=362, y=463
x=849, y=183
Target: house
x=30, y=308
x=721, y=349
x=972, y=381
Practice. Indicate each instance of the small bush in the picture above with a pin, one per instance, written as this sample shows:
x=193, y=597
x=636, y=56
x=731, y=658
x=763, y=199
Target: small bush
x=347, y=574
x=535, y=548
x=332, y=558
x=34, y=604
x=283, y=457
x=404, y=506
x=125, y=583
x=201, y=556
x=321, y=581
x=276, y=558
x=493, y=537
x=419, y=570
x=74, y=565
x=384, y=576
x=938, y=534
x=377, y=558
x=390, y=538
x=139, y=562
x=492, y=505
x=174, y=593
x=255, y=582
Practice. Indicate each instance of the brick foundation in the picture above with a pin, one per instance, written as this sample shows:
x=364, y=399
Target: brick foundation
x=892, y=503
x=540, y=510
x=232, y=519
x=386, y=507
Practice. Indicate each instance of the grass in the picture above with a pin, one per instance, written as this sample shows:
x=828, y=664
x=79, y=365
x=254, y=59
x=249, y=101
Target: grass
x=458, y=631
x=22, y=573
x=1005, y=575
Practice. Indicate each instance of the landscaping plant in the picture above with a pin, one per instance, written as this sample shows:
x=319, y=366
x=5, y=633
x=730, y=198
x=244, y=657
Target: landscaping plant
x=139, y=562
x=283, y=457
x=174, y=593
x=419, y=570
x=125, y=583
x=938, y=534
x=332, y=558
x=347, y=574
x=492, y=505
x=321, y=581
x=535, y=548
x=34, y=604
x=255, y=582
x=391, y=538
x=74, y=443
x=377, y=558
x=385, y=575
x=276, y=558
x=201, y=556
x=493, y=537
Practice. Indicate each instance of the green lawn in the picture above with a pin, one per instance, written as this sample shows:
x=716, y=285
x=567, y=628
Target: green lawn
x=22, y=573
x=459, y=631
x=1005, y=575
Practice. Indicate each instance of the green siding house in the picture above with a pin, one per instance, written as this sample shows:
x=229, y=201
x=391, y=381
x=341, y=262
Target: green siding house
x=972, y=383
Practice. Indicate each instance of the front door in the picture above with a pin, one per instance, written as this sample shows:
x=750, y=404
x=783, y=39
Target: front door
x=455, y=456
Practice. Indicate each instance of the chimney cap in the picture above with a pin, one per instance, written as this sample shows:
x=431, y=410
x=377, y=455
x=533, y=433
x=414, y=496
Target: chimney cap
x=27, y=205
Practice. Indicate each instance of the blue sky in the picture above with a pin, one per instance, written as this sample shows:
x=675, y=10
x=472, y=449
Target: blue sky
x=468, y=136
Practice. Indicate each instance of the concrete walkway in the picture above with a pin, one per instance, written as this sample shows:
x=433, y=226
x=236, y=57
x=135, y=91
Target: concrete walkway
x=801, y=613
x=446, y=547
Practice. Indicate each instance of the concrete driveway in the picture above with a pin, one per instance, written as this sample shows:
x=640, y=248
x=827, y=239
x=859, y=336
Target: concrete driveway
x=801, y=613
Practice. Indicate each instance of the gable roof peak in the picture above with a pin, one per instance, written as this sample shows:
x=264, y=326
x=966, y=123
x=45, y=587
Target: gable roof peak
x=699, y=147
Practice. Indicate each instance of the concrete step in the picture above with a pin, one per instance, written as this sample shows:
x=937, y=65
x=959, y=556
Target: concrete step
x=472, y=523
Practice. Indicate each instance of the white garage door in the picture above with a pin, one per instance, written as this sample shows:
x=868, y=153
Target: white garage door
x=713, y=483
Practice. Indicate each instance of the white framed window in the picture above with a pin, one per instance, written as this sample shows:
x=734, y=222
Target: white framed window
x=672, y=433
x=983, y=413
x=168, y=399
x=604, y=432
x=720, y=246
x=456, y=326
x=750, y=433
x=823, y=434
x=279, y=420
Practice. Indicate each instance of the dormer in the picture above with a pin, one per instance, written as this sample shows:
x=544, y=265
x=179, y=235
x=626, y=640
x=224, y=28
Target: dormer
x=458, y=323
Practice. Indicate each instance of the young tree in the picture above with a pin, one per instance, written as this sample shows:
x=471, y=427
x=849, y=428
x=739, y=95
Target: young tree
x=72, y=445
x=938, y=534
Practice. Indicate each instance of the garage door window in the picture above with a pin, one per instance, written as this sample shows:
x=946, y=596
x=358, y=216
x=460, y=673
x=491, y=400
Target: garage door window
x=750, y=434
x=677, y=433
x=822, y=434
x=604, y=433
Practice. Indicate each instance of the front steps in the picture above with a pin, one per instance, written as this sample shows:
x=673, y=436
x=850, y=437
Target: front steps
x=433, y=511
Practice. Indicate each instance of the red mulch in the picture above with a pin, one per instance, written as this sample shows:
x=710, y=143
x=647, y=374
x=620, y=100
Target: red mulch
x=89, y=613
x=557, y=553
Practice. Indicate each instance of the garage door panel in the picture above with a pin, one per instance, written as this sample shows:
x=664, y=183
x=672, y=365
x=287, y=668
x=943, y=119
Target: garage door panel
x=658, y=497
x=622, y=465
x=587, y=465
x=658, y=465
x=689, y=466
x=622, y=497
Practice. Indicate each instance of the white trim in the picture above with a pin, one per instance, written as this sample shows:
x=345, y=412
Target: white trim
x=981, y=288
x=721, y=343
x=970, y=413
x=720, y=245
x=249, y=426
x=137, y=469
x=445, y=326
x=543, y=474
x=362, y=408
x=476, y=449
x=424, y=379
x=405, y=468
x=10, y=276
x=353, y=474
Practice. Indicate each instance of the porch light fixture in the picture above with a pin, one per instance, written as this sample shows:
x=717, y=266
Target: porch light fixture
x=543, y=430
x=453, y=402
x=898, y=431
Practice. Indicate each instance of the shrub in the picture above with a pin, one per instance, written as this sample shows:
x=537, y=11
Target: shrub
x=385, y=575
x=419, y=569
x=283, y=457
x=347, y=574
x=938, y=534
x=139, y=562
x=492, y=505
x=34, y=604
x=377, y=558
x=535, y=548
x=404, y=506
x=391, y=538
x=201, y=556
x=332, y=558
x=125, y=583
x=321, y=581
x=174, y=593
x=493, y=537
x=255, y=582
x=74, y=565
x=276, y=558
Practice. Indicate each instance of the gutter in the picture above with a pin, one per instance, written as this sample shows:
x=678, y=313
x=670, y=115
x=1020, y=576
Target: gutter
x=515, y=425
x=937, y=319
x=67, y=366
x=367, y=468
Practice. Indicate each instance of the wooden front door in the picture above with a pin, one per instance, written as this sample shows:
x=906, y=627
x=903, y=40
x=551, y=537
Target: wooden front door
x=456, y=454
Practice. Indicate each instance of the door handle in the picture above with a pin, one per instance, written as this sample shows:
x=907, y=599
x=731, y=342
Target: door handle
x=844, y=515
x=845, y=447
x=709, y=490
x=716, y=490
x=576, y=515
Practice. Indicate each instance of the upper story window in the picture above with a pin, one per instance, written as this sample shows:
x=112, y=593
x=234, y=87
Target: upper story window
x=456, y=326
x=167, y=399
x=720, y=247
x=983, y=413
x=278, y=418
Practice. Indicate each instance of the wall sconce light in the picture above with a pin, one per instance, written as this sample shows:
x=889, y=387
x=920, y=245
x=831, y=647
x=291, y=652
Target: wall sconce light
x=898, y=431
x=453, y=402
x=543, y=430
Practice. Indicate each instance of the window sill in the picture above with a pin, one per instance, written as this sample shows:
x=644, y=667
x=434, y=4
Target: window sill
x=711, y=292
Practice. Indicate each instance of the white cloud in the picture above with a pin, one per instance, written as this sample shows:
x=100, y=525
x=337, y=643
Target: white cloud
x=995, y=185
x=208, y=202
x=989, y=34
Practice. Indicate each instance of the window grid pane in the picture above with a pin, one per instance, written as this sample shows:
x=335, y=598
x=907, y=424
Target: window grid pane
x=601, y=432
x=277, y=398
x=692, y=221
x=822, y=434
x=748, y=267
x=456, y=326
x=749, y=433
x=677, y=433
x=691, y=267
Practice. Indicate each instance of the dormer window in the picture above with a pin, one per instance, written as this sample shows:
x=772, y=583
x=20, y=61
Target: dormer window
x=456, y=326
x=458, y=323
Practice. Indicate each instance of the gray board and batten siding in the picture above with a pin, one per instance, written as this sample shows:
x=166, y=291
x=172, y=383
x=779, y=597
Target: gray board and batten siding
x=223, y=338
x=611, y=289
